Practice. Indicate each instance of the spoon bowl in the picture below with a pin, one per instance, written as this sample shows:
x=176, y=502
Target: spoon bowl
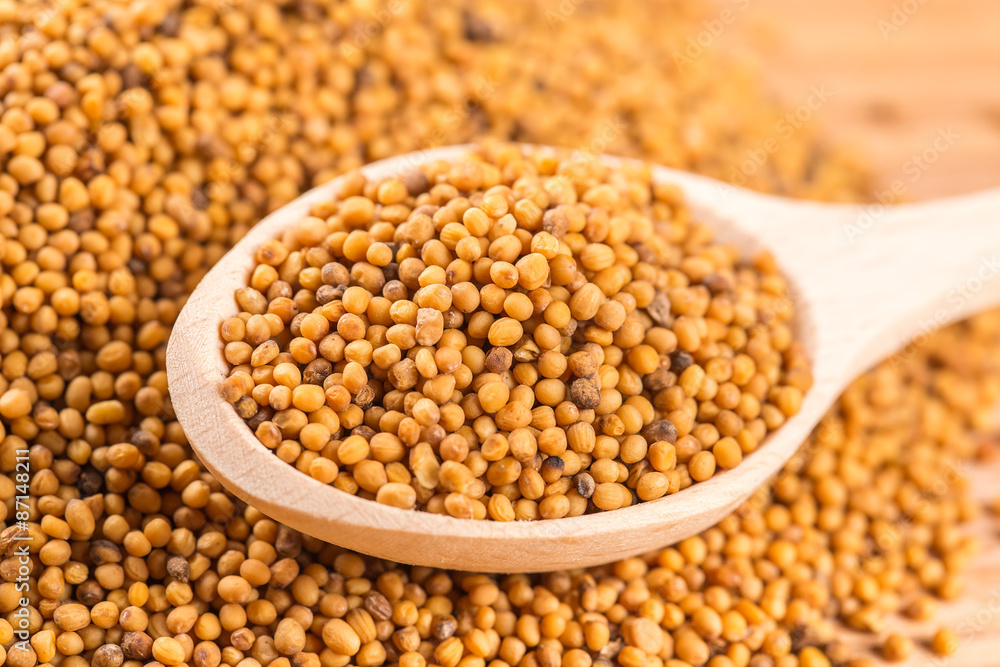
x=866, y=281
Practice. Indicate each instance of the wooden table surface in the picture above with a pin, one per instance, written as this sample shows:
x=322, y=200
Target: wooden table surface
x=902, y=73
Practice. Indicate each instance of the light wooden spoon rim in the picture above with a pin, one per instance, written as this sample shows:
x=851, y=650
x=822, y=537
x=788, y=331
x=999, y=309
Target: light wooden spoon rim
x=228, y=448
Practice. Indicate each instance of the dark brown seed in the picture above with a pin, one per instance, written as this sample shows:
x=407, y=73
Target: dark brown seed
x=659, y=309
x=280, y=289
x=477, y=29
x=717, y=284
x=137, y=646
x=555, y=222
x=444, y=627
x=499, y=360
x=552, y=469
x=90, y=593
x=317, y=371
x=680, y=361
x=289, y=543
x=585, y=484
x=109, y=655
x=416, y=182
x=365, y=397
x=660, y=431
x=378, y=606
x=200, y=199
x=132, y=76
x=335, y=274
x=327, y=293
x=9, y=538
x=395, y=291
x=364, y=431
x=583, y=364
x=264, y=413
x=104, y=551
x=146, y=442
x=661, y=378
x=803, y=637
x=179, y=568
x=296, y=324
x=68, y=362
x=560, y=583
x=89, y=482
x=391, y=655
x=171, y=24
x=585, y=394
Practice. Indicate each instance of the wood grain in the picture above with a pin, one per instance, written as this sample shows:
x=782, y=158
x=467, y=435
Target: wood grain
x=894, y=90
x=858, y=299
x=898, y=77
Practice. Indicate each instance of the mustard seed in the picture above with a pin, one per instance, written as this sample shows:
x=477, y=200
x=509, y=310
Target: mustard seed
x=897, y=648
x=944, y=642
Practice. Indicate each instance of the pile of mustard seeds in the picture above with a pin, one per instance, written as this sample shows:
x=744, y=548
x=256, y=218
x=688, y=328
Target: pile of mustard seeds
x=138, y=141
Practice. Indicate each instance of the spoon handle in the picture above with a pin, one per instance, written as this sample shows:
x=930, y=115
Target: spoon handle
x=925, y=266
x=879, y=279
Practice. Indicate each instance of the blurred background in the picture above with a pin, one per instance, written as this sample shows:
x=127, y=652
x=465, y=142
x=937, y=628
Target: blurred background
x=901, y=72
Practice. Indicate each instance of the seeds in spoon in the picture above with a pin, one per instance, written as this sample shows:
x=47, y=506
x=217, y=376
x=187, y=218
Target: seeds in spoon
x=514, y=321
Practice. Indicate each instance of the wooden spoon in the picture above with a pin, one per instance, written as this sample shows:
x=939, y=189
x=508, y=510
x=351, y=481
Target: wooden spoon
x=867, y=281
